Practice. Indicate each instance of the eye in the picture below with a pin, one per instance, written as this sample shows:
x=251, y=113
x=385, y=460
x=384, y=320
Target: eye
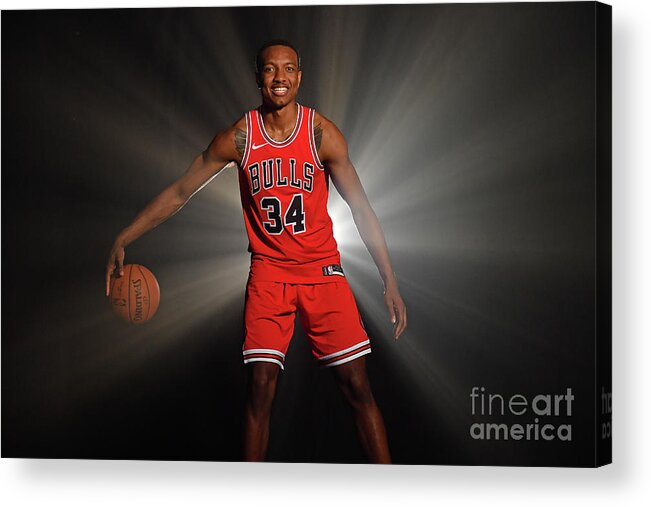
x=290, y=69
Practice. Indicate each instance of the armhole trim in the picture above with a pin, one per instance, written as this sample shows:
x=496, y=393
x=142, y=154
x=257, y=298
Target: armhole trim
x=247, y=144
x=310, y=124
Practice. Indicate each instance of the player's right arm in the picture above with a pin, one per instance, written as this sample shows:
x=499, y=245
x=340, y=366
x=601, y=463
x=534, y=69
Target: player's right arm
x=226, y=147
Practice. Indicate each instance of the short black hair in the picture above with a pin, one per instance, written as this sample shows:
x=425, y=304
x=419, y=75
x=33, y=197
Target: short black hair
x=275, y=42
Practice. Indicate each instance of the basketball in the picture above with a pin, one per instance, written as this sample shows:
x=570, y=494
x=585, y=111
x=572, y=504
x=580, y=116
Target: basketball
x=135, y=295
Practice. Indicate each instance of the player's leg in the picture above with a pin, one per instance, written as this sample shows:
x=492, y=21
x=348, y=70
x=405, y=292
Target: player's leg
x=331, y=320
x=261, y=379
x=269, y=314
x=354, y=384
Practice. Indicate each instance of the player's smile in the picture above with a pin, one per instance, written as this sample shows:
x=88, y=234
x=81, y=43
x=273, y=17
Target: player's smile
x=279, y=91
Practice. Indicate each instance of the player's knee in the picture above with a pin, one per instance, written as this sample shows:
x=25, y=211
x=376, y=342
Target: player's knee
x=357, y=389
x=262, y=381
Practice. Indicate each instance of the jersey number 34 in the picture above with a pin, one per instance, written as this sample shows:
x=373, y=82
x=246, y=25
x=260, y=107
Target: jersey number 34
x=276, y=222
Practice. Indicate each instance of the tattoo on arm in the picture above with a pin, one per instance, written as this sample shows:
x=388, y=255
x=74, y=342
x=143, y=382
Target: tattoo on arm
x=318, y=133
x=240, y=141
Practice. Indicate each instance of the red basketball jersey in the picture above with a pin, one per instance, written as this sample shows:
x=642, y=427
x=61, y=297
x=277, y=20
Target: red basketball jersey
x=284, y=191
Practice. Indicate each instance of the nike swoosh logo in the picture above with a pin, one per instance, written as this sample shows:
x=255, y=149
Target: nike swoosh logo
x=256, y=146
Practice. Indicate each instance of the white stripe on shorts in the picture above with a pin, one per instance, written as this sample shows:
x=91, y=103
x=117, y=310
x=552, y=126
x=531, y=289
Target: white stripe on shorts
x=263, y=351
x=265, y=360
x=346, y=359
x=336, y=354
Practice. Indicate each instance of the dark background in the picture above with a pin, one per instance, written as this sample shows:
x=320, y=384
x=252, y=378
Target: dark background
x=472, y=128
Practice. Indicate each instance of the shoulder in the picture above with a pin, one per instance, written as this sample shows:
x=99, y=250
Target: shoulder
x=332, y=142
x=238, y=126
x=324, y=123
x=230, y=142
x=240, y=123
x=231, y=132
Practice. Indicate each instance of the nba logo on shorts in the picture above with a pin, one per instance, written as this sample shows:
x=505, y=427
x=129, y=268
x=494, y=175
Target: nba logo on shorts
x=333, y=269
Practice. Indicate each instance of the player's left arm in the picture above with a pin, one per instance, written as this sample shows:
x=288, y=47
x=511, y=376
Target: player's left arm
x=333, y=152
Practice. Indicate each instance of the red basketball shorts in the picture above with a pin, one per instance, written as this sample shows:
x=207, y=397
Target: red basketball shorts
x=328, y=313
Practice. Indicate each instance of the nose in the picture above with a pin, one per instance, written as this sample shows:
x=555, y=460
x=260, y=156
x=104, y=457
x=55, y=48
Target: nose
x=280, y=75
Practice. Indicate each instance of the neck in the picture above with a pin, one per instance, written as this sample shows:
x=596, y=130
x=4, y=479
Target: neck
x=279, y=122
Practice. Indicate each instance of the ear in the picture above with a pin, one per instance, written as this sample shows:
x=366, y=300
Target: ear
x=300, y=75
x=258, y=81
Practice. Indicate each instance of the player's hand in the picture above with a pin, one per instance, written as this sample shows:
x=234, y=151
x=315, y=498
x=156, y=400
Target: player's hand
x=115, y=258
x=397, y=309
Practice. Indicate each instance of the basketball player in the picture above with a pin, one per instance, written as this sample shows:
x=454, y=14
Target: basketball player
x=285, y=154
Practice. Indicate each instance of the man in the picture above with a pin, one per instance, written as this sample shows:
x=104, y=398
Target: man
x=285, y=154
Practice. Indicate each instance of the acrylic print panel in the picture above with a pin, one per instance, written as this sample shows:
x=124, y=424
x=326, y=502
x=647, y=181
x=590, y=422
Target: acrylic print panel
x=472, y=128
